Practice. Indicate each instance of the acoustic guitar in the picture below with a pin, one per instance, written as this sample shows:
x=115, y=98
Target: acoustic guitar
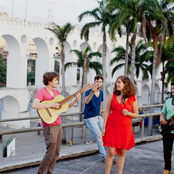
x=165, y=129
x=49, y=115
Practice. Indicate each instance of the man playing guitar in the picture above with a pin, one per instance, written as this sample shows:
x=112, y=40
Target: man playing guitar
x=52, y=132
x=166, y=114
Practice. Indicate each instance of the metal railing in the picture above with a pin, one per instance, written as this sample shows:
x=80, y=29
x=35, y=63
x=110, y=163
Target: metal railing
x=14, y=131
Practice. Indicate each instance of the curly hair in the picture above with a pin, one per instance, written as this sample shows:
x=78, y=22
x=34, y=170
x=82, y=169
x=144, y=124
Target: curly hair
x=49, y=76
x=128, y=90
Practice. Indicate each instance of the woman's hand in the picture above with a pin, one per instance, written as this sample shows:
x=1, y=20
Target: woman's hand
x=103, y=132
x=125, y=112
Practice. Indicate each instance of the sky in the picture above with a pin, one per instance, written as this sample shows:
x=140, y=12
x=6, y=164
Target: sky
x=63, y=11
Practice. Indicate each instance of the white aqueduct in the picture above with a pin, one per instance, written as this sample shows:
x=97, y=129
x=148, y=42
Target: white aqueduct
x=17, y=95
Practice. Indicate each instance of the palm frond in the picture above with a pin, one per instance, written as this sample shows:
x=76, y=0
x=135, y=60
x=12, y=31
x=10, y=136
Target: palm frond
x=70, y=64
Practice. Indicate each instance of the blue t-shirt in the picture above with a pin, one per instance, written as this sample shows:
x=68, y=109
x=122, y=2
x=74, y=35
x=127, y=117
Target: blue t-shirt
x=92, y=109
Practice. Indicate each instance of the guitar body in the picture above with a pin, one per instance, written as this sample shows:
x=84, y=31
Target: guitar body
x=165, y=129
x=50, y=115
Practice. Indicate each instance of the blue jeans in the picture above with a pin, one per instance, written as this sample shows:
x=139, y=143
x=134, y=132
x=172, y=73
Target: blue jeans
x=95, y=125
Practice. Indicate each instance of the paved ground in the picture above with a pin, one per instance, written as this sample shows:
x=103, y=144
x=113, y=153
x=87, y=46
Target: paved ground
x=142, y=159
x=30, y=147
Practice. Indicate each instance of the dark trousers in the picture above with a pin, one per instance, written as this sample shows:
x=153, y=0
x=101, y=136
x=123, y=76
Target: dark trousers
x=53, y=138
x=167, y=149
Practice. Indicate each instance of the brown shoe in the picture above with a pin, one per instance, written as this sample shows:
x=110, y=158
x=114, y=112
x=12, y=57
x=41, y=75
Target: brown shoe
x=166, y=172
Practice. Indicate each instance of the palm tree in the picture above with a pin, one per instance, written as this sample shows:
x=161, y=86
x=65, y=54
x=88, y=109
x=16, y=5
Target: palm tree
x=167, y=60
x=96, y=66
x=156, y=25
x=127, y=14
x=62, y=33
x=84, y=62
x=102, y=18
x=155, y=13
x=168, y=13
x=140, y=59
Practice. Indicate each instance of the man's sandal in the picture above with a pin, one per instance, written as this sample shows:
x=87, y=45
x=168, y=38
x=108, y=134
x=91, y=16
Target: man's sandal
x=113, y=162
x=166, y=172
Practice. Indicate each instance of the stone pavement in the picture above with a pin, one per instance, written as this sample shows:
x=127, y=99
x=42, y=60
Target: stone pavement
x=142, y=159
x=30, y=148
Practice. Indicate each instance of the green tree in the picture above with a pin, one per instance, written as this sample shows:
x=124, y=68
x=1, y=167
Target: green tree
x=128, y=13
x=101, y=18
x=167, y=61
x=93, y=65
x=85, y=62
x=141, y=59
x=156, y=22
x=61, y=34
x=31, y=77
x=3, y=70
x=56, y=66
x=31, y=73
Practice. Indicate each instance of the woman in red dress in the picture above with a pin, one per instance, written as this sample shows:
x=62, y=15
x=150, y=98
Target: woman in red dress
x=117, y=131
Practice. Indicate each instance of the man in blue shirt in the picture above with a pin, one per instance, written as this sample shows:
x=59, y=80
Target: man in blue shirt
x=92, y=113
x=166, y=113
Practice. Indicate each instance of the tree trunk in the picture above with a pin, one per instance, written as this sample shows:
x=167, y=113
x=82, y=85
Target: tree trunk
x=133, y=41
x=83, y=99
x=162, y=79
x=154, y=70
x=104, y=69
x=63, y=90
x=126, y=55
x=85, y=69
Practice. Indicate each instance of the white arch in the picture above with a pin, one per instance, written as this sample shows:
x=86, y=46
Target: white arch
x=11, y=104
x=145, y=95
x=137, y=92
x=42, y=61
x=83, y=46
x=90, y=74
x=70, y=71
x=12, y=110
x=157, y=95
x=13, y=78
x=108, y=58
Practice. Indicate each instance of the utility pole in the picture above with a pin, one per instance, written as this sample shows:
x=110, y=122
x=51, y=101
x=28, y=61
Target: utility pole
x=12, y=9
x=26, y=11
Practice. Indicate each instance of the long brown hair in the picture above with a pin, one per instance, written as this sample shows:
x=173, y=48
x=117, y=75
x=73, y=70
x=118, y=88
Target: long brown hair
x=128, y=90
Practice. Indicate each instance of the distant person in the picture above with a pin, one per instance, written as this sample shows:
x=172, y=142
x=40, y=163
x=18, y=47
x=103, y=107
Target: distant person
x=52, y=132
x=166, y=113
x=92, y=113
x=117, y=131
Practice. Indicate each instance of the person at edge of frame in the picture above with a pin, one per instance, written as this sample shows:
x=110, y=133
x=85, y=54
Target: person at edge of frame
x=166, y=113
x=52, y=132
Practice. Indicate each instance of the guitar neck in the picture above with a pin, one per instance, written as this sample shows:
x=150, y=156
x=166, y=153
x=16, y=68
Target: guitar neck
x=70, y=97
x=172, y=121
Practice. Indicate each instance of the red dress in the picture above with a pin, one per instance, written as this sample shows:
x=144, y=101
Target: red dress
x=119, y=133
